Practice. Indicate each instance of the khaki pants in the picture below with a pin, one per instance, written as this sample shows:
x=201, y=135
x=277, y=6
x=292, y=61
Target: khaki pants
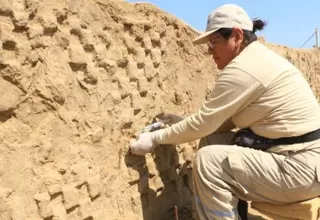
x=223, y=173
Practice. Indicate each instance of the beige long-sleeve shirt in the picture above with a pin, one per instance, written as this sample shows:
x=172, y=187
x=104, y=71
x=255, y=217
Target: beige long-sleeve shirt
x=258, y=89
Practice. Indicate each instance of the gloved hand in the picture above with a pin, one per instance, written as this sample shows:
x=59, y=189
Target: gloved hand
x=143, y=145
x=171, y=119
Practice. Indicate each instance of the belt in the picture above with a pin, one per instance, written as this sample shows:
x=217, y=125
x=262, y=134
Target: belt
x=308, y=137
x=247, y=138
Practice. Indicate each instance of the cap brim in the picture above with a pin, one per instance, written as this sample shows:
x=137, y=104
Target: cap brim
x=203, y=38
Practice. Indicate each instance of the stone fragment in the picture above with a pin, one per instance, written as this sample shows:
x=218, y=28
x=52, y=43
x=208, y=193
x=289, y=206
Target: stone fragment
x=132, y=70
x=142, y=85
x=152, y=168
x=43, y=201
x=77, y=54
x=35, y=30
x=155, y=183
x=147, y=42
x=85, y=208
x=156, y=56
x=70, y=196
x=54, y=189
x=42, y=197
x=155, y=36
x=140, y=56
x=94, y=186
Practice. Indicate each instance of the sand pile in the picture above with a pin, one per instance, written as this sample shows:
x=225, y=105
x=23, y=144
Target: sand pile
x=80, y=78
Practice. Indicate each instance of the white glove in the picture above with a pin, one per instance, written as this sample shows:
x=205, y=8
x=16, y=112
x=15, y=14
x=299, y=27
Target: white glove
x=143, y=145
x=171, y=119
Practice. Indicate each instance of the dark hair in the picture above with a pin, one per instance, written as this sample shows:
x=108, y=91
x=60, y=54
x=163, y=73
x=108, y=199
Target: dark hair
x=249, y=36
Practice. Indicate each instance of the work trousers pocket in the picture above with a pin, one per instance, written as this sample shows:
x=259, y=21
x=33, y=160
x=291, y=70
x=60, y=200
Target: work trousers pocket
x=239, y=172
x=296, y=174
x=300, y=179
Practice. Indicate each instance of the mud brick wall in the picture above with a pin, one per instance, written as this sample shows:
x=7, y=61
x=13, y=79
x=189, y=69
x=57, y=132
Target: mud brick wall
x=79, y=79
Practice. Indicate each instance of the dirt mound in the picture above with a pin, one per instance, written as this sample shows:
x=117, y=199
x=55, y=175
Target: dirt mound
x=80, y=78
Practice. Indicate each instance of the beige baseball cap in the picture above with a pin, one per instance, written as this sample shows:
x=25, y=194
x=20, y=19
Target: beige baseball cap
x=226, y=16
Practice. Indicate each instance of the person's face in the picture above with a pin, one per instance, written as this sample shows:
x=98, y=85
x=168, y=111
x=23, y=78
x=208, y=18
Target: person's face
x=224, y=50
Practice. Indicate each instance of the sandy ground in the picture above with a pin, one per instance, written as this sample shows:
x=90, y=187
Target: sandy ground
x=79, y=79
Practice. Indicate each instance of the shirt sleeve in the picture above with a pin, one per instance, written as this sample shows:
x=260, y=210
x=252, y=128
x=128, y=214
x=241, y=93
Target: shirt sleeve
x=234, y=90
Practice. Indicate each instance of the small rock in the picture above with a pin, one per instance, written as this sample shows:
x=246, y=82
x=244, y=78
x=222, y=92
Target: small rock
x=59, y=211
x=81, y=171
x=94, y=185
x=61, y=14
x=45, y=210
x=74, y=23
x=152, y=168
x=163, y=45
x=140, y=56
x=21, y=19
x=142, y=85
x=147, y=42
x=149, y=70
x=77, y=54
x=126, y=117
x=105, y=38
x=54, y=189
x=156, y=56
x=42, y=197
x=35, y=30
x=133, y=174
x=70, y=196
x=49, y=23
x=33, y=57
x=9, y=96
x=132, y=70
x=85, y=209
x=62, y=39
x=130, y=44
x=155, y=36
x=137, y=102
x=155, y=183
x=87, y=40
x=125, y=85
x=43, y=201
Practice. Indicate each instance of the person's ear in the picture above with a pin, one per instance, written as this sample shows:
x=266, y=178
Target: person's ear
x=238, y=36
